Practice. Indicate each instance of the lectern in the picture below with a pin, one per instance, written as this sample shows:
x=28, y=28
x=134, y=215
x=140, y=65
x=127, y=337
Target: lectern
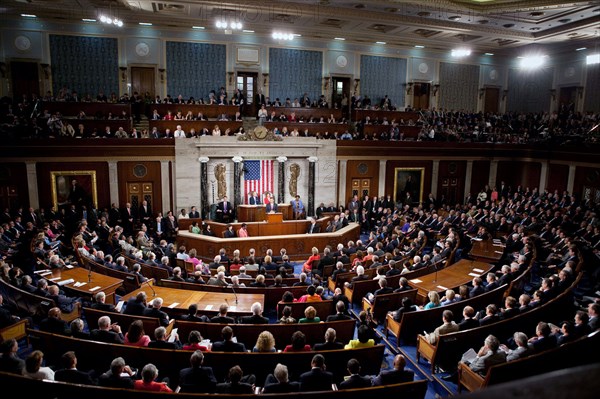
x=276, y=217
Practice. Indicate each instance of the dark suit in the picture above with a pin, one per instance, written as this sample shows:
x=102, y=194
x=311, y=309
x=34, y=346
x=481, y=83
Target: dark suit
x=254, y=201
x=355, y=381
x=467, y=324
x=222, y=320
x=73, y=376
x=227, y=387
x=254, y=319
x=225, y=211
x=282, y=387
x=388, y=377
x=228, y=346
x=326, y=346
x=313, y=228
x=110, y=337
x=194, y=215
x=159, y=314
x=197, y=380
x=271, y=206
x=338, y=317
x=145, y=215
x=134, y=307
x=316, y=380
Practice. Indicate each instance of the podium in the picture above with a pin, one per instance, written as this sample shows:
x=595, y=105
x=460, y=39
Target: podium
x=251, y=213
x=276, y=217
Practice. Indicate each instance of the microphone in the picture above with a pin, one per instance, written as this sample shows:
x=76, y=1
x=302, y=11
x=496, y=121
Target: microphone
x=151, y=287
x=234, y=293
x=89, y=274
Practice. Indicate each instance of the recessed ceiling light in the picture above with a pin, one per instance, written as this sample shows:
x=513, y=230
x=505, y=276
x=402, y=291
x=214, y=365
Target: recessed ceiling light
x=536, y=13
x=483, y=21
x=339, y=38
x=488, y=53
x=380, y=42
x=88, y=20
x=419, y=46
x=455, y=18
x=423, y=13
x=508, y=25
x=535, y=28
x=564, y=20
x=581, y=49
x=248, y=31
x=198, y=27
x=29, y=15
x=145, y=23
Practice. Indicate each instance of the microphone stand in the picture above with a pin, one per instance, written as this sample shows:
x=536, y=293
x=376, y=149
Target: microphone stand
x=89, y=274
x=234, y=293
x=150, y=285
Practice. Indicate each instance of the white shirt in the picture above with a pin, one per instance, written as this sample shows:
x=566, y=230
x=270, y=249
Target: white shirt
x=179, y=133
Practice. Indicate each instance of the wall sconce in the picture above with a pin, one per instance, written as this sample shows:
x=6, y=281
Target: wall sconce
x=553, y=94
x=230, y=74
x=326, y=83
x=504, y=94
x=481, y=92
x=356, y=82
x=162, y=74
x=435, y=89
x=409, y=87
x=46, y=70
x=265, y=79
x=580, y=91
x=123, y=74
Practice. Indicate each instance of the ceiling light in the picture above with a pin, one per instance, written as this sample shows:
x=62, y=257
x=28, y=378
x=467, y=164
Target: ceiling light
x=29, y=15
x=461, y=52
x=592, y=59
x=282, y=36
x=145, y=23
x=419, y=46
x=581, y=49
x=111, y=21
x=248, y=31
x=488, y=54
x=380, y=42
x=229, y=25
x=88, y=20
x=339, y=38
x=532, y=61
x=198, y=27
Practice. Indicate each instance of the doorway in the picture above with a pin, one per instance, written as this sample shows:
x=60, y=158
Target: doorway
x=341, y=89
x=566, y=99
x=421, y=95
x=491, y=99
x=25, y=78
x=247, y=83
x=142, y=81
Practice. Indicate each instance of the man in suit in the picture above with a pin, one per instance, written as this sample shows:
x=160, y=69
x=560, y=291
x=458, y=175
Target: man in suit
x=145, y=213
x=101, y=304
x=197, y=379
x=107, y=332
x=488, y=356
x=313, y=227
x=448, y=326
x=136, y=305
x=341, y=314
x=222, y=316
x=128, y=217
x=254, y=199
x=257, y=317
x=279, y=382
x=469, y=320
x=224, y=210
x=330, y=341
x=229, y=233
x=69, y=372
x=398, y=375
x=355, y=380
x=227, y=345
x=154, y=311
x=161, y=340
x=194, y=214
x=317, y=379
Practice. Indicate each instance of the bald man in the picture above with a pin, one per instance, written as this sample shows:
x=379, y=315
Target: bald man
x=397, y=375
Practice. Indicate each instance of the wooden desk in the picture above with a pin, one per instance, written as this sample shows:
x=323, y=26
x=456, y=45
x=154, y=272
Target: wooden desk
x=208, y=302
x=69, y=108
x=107, y=284
x=406, y=131
x=257, y=213
x=452, y=277
x=313, y=128
x=209, y=111
x=487, y=251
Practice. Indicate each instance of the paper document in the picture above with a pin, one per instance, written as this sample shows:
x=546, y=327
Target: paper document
x=208, y=307
x=95, y=288
x=119, y=306
x=79, y=284
x=477, y=239
x=173, y=335
x=232, y=308
x=54, y=278
x=469, y=356
x=441, y=287
x=174, y=304
x=416, y=281
x=65, y=282
x=474, y=274
x=45, y=273
x=69, y=266
x=478, y=270
x=499, y=252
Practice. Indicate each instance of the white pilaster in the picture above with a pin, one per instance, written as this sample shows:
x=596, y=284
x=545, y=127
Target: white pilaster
x=571, y=179
x=468, y=176
x=32, y=185
x=381, y=189
x=113, y=182
x=165, y=181
x=543, y=177
x=493, y=173
x=435, y=173
x=342, y=182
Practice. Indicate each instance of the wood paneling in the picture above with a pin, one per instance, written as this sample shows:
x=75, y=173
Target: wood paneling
x=44, y=181
x=13, y=185
x=519, y=173
x=585, y=177
x=480, y=176
x=558, y=175
x=362, y=170
x=153, y=176
x=451, y=181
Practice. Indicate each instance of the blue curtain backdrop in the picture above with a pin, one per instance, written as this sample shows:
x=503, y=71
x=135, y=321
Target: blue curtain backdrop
x=459, y=85
x=383, y=75
x=295, y=72
x=529, y=91
x=194, y=69
x=85, y=64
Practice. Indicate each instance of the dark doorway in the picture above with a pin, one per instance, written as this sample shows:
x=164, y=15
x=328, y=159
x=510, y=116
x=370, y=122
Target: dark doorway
x=421, y=95
x=25, y=78
x=567, y=98
x=142, y=81
x=247, y=83
x=492, y=95
x=341, y=89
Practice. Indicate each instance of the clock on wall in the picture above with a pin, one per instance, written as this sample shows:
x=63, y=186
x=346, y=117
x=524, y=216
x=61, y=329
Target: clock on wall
x=22, y=43
x=140, y=170
x=341, y=61
x=142, y=49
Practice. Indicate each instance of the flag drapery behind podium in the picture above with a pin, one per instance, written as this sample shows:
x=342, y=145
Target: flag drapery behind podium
x=258, y=176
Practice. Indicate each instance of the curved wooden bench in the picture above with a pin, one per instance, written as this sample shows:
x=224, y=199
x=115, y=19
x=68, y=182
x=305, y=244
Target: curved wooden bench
x=16, y=330
x=382, y=304
x=124, y=320
x=323, y=308
x=130, y=280
x=98, y=356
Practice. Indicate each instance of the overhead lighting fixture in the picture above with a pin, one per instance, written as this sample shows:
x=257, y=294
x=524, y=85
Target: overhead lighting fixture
x=111, y=21
x=29, y=15
x=419, y=46
x=88, y=20
x=282, y=36
x=380, y=43
x=592, y=59
x=461, y=52
x=145, y=23
x=229, y=25
x=581, y=49
x=339, y=38
x=488, y=53
x=248, y=31
x=532, y=61
x=198, y=27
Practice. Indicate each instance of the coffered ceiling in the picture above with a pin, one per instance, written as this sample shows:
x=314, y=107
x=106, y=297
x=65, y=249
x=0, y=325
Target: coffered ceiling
x=484, y=25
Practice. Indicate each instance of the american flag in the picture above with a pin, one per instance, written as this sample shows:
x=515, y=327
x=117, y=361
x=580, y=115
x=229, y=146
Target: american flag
x=258, y=176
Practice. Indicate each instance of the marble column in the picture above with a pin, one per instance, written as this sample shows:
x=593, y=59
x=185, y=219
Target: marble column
x=237, y=175
x=435, y=174
x=32, y=185
x=468, y=177
x=543, y=177
x=381, y=189
x=571, y=179
x=343, y=168
x=493, y=174
x=204, y=205
x=165, y=182
x=113, y=182
x=311, y=185
x=281, y=180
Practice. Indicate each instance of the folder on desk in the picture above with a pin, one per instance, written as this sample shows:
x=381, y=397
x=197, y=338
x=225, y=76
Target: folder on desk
x=65, y=282
x=208, y=307
x=174, y=304
x=478, y=270
x=416, y=281
x=119, y=306
x=474, y=274
x=95, y=288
